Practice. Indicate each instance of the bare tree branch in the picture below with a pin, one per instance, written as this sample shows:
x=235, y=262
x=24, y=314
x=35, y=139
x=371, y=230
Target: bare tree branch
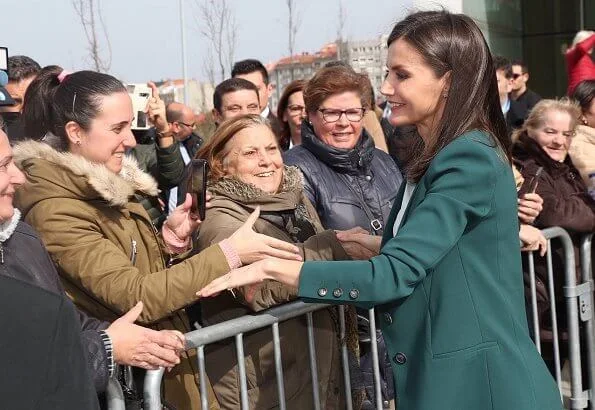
x=341, y=21
x=295, y=21
x=87, y=10
x=217, y=24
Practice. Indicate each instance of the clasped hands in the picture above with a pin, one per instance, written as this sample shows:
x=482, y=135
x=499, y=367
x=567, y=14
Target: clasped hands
x=359, y=244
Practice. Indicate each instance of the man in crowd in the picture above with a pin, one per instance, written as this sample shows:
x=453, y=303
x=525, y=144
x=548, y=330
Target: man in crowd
x=524, y=97
x=510, y=108
x=181, y=120
x=235, y=97
x=21, y=71
x=256, y=73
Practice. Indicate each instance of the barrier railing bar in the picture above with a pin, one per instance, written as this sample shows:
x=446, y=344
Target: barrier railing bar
x=587, y=276
x=278, y=366
x=313, y=365
x=244, y=324
x=555, y=341
x=577, y=400
x=152, y=389
x=242, y=371
x=345, y=359
x=115, y=395
x=375, y=360
x=202, y=374
x=536, y=330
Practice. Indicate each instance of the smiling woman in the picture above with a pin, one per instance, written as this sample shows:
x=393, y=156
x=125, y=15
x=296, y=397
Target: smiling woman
x=543, y=143
x=83, y=197
x=247, y=172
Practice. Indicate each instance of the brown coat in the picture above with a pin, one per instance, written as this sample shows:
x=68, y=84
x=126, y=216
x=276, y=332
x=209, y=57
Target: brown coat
x=565, y=204
x=233, y=201
x=582, y=151
x=108, y=254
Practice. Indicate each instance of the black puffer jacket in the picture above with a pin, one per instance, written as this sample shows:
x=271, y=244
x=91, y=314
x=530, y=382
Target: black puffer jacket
x=338, y=182
x=23, y=257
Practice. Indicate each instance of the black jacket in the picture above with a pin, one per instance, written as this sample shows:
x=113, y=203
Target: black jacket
x=348, y=188
x=165, y=165
x=526, y=102
x=43, y=364
x=192, y=145
x=26, y=259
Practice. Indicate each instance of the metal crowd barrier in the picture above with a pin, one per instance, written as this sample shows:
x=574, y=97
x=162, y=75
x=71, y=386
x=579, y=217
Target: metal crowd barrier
x=579, y=305
x=237, y=328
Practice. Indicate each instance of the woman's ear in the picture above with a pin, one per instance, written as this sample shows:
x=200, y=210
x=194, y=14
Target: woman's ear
x=446, y=80
x=73, y=133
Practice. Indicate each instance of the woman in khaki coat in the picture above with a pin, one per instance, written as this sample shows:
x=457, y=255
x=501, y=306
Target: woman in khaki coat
x=82, y=196
x=247, y=172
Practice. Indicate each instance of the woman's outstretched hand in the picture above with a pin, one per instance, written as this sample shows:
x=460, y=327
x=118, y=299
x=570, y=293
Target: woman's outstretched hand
x=252, y=247
x=251, y=276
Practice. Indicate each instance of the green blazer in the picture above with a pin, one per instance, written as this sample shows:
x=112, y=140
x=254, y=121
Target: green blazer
x=449, y=289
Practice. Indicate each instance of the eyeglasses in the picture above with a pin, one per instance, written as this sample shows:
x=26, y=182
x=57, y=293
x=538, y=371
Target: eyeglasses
x=187, y=125
x=516, y=75
x=296, y=110
x=352, y=114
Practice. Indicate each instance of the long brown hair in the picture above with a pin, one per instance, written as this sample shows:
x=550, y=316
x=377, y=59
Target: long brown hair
x=214, y=149
x=292, y=88
x=452, y=43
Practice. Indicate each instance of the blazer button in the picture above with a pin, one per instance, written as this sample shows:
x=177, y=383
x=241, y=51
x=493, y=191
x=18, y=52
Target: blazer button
x=354, y=293
x=322, y=292
x=400, y=358
x=338, y=292
x=388, y=318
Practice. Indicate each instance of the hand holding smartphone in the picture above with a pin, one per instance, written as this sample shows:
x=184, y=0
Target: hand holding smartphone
x=196, y=186
x=532, y=186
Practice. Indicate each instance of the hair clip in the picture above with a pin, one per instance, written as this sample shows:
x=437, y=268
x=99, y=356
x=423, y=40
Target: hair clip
x=62, y=76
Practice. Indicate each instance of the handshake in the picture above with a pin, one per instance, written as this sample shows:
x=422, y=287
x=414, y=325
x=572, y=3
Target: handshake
x=358, y=243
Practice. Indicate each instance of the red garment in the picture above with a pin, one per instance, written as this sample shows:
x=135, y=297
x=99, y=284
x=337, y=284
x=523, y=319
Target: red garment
x=579, y=63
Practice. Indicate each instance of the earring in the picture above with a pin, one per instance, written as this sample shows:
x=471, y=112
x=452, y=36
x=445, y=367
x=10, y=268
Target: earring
x=78, y=142
x=584, y=120
x=445, y=95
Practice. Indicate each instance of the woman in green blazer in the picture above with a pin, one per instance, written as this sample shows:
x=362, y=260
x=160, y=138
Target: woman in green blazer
x=446, y=279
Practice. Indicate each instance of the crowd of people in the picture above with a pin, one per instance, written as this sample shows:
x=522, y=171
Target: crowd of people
x=419, y=206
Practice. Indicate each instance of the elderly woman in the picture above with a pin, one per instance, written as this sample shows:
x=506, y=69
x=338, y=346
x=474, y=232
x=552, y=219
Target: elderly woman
x=291, y=111
x=82, y=198
x=543, y=142
x=582, y=147
x=350, y=182
x=247, y=173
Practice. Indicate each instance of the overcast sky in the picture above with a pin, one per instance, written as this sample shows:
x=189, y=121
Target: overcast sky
x=145, y=34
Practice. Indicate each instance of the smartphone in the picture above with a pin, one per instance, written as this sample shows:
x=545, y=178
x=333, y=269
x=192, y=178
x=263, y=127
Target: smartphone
x=140, y=95
x=196, y=186
x=534, y=181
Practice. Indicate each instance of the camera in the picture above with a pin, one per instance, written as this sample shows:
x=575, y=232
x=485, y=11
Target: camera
x=140, y=95
x=5, y=98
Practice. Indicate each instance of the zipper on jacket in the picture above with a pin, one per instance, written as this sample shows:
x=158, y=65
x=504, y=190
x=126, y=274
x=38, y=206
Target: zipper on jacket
x=133, y=254
x=2, y=253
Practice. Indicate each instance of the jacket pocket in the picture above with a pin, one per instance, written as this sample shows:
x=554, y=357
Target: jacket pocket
x=467, y=351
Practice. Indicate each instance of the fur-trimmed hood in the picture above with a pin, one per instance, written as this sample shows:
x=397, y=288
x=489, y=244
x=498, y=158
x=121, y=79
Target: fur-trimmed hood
x=52, y=174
